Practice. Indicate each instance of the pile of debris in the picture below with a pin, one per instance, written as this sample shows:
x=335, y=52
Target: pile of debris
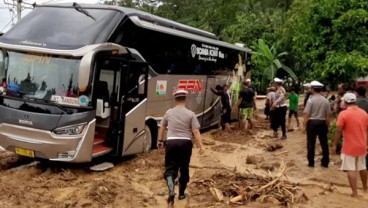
x=235, y=188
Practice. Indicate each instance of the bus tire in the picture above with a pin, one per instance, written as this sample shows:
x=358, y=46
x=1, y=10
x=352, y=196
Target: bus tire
x=147, y=142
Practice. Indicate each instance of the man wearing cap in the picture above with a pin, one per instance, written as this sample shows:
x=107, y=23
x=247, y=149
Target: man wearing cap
x=353, y=124
x=316, y=122
x=249, y=81
x=280, y=108
x=181, y=125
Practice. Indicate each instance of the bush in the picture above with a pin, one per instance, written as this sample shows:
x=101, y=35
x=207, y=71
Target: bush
x=331, y=134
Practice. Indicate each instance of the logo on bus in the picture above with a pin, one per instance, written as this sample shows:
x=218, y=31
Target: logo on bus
x=25, y=121
x=191, y=85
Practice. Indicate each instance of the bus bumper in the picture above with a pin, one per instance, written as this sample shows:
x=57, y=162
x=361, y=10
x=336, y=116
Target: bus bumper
x=47, y=145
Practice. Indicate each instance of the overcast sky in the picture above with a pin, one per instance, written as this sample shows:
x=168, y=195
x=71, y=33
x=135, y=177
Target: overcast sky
x=5, y=15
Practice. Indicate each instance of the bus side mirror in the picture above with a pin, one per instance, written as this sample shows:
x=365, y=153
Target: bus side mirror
x=102, y=109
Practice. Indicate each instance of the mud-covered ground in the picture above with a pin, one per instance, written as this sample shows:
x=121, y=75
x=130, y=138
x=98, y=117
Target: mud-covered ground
x=232, y=163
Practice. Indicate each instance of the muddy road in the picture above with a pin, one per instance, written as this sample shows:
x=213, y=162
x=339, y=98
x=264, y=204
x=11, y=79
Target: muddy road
x=233, y=163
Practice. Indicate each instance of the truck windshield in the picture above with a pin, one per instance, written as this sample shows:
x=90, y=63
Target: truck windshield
x=56, y=27
x=44, y=78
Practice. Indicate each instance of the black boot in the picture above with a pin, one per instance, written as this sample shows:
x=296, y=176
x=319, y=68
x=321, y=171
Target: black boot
x=182, y=188
x=171, y=187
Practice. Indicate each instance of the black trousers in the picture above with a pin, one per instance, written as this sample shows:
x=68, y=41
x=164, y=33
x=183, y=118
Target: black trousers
x=317, y=128
x=278, y=119
x=177, y=157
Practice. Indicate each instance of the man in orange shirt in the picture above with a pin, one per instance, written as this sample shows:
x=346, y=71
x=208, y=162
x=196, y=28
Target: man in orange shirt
x=353, y=123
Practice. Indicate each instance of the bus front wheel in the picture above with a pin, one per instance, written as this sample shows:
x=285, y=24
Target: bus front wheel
x=147, y=142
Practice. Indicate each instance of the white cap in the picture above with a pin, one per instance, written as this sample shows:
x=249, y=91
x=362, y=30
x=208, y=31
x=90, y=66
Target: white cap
x=316, y=84
x=349, y=97
x=306, y=85
x=278, y=80
x=180, y=93
x=248, y=80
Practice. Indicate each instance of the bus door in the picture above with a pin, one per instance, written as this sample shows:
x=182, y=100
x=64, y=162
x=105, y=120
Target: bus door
x=210, y=116
x=133, y=106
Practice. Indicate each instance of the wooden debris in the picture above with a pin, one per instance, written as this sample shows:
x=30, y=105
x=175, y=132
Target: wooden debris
x=241, y=188
x=211, y=167
x=238, y=198
x=217, y=194
x=281, y=153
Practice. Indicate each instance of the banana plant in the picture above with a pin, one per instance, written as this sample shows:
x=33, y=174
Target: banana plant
x=268, y=60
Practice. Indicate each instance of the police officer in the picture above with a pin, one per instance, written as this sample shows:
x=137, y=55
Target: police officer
x=280, y=108
x=316, y=121
x=181, y=124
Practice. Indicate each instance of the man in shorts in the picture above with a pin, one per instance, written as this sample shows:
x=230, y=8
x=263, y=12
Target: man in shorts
x=293, y=107
x=246, y=104
x=353, y=124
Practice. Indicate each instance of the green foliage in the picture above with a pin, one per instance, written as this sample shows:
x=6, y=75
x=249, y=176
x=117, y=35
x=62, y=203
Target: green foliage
x=331, y=38
x=258, y=20
x=267, y=63
x=325, y=40
x=331, y=135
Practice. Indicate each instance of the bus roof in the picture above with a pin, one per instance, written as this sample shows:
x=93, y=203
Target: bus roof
x=156, y=23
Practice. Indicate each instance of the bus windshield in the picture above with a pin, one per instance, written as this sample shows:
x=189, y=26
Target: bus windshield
x=44, y=77
x=56, y=27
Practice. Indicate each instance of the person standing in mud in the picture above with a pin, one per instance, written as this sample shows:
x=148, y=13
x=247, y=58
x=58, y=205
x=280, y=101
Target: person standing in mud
x=280, y=109
x=271, y=97
x=267, y=108
x=226, y=106
x=353, y=124
x=181, y=125
x=293, y=107
x=316, y=122
x=245, y=106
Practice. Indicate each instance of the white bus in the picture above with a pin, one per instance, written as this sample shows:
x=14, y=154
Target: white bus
x=85, y=81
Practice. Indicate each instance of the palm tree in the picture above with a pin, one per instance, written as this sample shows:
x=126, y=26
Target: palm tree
x=268, y=59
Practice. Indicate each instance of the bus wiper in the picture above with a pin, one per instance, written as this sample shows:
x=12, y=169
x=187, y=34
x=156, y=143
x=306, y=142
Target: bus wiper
x=82, y=10
x=66, y=110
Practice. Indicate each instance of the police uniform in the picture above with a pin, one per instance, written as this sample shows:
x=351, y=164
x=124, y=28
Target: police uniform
x=180, y=123
x=280, y=107
x=317, y=109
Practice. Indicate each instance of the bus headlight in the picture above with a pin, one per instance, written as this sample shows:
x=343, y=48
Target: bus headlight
x=70, y=130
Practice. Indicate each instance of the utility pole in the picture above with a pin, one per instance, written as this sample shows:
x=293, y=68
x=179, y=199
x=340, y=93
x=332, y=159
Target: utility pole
x=19, y=10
